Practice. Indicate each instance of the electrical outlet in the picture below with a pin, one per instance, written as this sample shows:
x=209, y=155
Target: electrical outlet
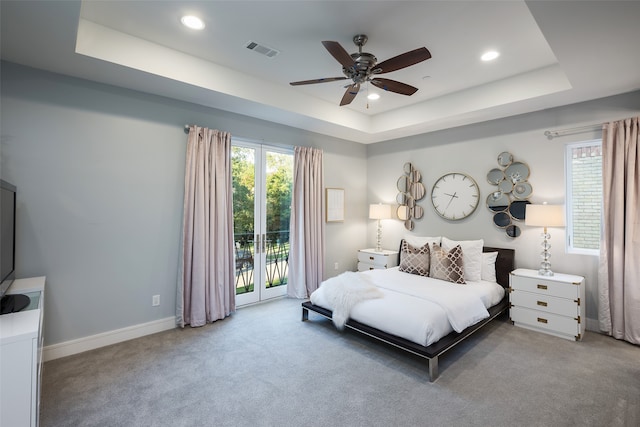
x=335, y=266
x=155, y=300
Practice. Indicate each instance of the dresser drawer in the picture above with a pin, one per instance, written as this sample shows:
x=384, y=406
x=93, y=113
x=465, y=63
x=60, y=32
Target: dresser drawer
x=364, y=266
x=381, y=259
x=545, y=303
x=545, y=287
x=545, y=321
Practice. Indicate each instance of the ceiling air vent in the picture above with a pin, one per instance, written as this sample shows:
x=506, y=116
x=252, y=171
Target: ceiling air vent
x=262, y=49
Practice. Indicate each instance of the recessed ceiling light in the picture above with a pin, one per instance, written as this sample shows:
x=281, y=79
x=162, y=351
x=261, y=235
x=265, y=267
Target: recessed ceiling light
x=192, y=22
x=490, y=56
x=373, y=96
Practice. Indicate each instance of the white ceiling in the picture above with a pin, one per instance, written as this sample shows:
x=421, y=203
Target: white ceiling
x=552, y=53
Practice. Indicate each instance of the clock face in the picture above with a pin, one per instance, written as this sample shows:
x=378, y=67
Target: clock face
x=455, y=196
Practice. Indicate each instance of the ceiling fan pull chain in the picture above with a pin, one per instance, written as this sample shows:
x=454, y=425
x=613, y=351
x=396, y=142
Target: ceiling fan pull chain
x=367, y=95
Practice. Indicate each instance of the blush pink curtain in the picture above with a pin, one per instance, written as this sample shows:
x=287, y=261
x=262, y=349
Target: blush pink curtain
x=306, y=253
x=619, y=273
x=206, y=285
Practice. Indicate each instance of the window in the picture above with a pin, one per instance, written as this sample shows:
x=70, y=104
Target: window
x=584, y=196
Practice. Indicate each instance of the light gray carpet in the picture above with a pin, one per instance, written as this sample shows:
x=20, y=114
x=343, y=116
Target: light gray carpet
x=264, y=367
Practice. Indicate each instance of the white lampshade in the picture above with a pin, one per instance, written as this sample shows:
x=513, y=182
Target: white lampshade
x=379, y=211
x=544, y=215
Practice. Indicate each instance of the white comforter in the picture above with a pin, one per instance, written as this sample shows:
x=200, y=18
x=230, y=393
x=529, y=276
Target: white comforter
x=420, y=309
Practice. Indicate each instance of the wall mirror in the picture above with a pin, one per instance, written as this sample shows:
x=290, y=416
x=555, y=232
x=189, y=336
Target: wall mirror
x=522, y=190
x=517, y=172
x=495, y=176
x=403, y=184
x=498, y=201
x=501, y=219
x=504, y=159
x=511, y=195
x=505, y=186
x=410, y=189
x=517, y=209
x=403, y=212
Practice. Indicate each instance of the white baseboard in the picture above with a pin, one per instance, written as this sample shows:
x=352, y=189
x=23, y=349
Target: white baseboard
x=68, y=348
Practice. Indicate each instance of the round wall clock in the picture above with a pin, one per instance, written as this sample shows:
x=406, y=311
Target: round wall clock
x=455, y=196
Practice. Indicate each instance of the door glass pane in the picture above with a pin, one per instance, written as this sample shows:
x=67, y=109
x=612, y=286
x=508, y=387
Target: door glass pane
x=279, y=183
x=243, y=175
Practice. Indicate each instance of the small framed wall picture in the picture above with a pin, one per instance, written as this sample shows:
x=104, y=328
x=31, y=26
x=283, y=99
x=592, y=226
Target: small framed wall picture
x=334, y=204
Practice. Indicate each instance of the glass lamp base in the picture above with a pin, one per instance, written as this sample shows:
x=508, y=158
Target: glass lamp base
x=543, y=272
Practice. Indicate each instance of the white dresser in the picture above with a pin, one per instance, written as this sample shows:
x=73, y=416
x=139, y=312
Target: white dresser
x=21, y=357
x=369, y=259
x=551, y=304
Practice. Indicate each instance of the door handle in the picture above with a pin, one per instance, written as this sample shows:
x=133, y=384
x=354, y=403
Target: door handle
x=257, y=244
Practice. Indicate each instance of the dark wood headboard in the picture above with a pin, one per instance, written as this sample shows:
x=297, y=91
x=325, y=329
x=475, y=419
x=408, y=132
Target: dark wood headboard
x=505, y=263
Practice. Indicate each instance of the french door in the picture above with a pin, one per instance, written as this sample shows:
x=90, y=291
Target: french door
x=262, y=186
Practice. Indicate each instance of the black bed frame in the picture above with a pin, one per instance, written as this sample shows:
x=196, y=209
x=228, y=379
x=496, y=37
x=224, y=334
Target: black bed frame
x=504, y=265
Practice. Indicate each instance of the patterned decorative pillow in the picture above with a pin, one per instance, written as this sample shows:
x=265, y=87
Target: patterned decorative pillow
x=472, y=250
x=447, y=266
x=414, y=260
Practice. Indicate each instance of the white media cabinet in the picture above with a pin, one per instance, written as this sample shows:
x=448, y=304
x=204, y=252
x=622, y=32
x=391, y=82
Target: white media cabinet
x=21, y=357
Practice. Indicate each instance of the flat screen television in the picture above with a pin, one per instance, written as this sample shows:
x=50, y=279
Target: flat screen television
x=8, y=303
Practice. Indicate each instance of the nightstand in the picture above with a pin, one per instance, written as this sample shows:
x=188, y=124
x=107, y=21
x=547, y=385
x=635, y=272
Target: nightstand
x=551, y=304
x=369, y=259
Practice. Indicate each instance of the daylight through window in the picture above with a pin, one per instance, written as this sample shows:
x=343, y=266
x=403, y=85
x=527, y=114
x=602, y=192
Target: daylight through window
x=584, y=196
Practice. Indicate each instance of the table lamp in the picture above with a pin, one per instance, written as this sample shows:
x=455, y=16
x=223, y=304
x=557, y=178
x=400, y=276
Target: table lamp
x=544, y=216
x=379, y=211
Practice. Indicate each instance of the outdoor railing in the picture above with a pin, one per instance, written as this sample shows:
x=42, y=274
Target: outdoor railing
x=277, y=264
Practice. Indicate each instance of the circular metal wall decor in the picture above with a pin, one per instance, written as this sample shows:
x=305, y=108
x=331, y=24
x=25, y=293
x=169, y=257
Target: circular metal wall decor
x=410, y=190
x=498, y=201
x=508, y=201
x=502, y=219
x=505, y=158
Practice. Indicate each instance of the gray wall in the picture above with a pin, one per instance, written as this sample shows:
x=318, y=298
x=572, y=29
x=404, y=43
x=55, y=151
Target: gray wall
x=473, y=150
x=100, y=174
x=99, y=171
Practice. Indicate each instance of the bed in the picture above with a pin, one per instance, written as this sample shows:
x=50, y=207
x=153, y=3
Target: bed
x=367, y=316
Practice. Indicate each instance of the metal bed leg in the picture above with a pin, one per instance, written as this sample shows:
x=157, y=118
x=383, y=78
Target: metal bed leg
x=305, y=314
x=433, y=369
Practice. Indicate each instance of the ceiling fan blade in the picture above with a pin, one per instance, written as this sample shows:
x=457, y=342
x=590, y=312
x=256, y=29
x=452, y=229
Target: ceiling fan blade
x=394, y=86
x=350, y=94
x=310, y=82
x=403, y=60
x=337, y=51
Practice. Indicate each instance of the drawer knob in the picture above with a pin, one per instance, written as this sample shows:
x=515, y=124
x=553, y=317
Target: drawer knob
x=542, y=286
x=541, y=320
x=371, y=258
x=542, y=303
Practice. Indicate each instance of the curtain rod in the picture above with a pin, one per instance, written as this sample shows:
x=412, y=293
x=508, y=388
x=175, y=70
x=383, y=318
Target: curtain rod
x=186, y=128
x=550, y=134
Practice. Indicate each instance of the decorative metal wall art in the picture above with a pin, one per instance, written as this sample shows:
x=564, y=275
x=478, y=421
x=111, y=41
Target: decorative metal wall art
x=511, y=195
x=410, y=190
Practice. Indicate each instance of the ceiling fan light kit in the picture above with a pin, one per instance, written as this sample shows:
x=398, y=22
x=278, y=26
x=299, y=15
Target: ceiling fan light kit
x=362, y=67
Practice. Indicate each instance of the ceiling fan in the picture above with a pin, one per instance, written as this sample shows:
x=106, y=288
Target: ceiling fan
x=362, y=67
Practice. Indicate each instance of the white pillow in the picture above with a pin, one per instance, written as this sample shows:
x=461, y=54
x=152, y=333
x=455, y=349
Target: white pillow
x=488, y=272
x=472, y=256
x=420, y=241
